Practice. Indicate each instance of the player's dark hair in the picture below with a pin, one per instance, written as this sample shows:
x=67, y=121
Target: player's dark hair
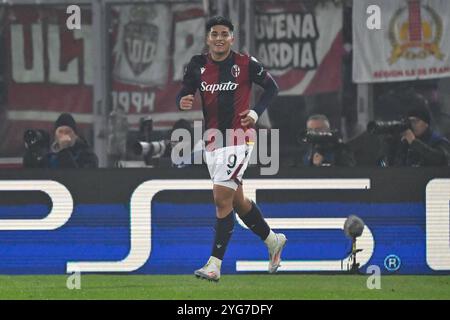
x=219, y=20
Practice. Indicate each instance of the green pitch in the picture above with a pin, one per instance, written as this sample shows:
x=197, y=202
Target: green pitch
x=255, y=286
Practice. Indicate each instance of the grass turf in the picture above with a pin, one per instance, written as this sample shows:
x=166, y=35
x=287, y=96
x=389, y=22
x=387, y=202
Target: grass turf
x=254, y=286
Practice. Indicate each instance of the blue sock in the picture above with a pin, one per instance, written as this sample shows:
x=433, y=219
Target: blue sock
x=224, y=230
x=255, y=222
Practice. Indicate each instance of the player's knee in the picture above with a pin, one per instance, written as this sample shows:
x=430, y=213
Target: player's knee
x=242, y=206
x=222, y=202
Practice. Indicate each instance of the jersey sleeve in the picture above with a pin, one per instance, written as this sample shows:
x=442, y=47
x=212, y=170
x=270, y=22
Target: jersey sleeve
x=257, y=71
x=191, y=75
x=263, y=78
x=191, y=79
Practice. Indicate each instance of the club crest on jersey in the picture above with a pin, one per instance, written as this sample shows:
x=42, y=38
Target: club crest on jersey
x=235, y=70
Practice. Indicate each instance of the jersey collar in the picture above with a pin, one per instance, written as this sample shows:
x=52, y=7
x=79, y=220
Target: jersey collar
x=230, y=56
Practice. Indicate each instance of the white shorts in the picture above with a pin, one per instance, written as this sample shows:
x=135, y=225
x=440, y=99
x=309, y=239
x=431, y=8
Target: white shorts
x=227, y=165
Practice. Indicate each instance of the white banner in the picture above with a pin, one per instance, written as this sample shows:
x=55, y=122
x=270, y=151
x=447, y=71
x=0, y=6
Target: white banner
x=302, y=49
x=412, y=40
x=142, y=49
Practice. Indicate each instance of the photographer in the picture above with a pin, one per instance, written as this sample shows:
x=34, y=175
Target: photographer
x=322, y=146
x=418, y=145
x=67, y=151
x=70, y=150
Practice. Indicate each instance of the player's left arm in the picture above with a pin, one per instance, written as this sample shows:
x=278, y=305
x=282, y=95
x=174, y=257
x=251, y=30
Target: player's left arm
x=264, y=79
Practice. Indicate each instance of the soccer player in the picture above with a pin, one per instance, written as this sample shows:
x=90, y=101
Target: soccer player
x=224, y=79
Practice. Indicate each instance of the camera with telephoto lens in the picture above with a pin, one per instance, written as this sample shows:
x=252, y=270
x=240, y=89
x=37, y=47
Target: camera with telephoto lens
x=153, y=149
x=324, y=147
x=150, y=150
x=37, y=146
x=36, y=139
x=323, y=142
x=321, y=137
x=388, y=127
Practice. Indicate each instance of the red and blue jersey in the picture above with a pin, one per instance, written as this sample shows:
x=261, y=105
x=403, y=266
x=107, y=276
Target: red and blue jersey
x=225, y=88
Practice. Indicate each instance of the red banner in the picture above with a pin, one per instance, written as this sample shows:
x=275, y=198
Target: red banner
x=49, y=71
x=50, y=68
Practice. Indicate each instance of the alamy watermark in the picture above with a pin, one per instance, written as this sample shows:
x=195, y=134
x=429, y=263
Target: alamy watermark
x=73, y=281
x=373, y=21
x=374, y=280
x=262, y=147
x=73, y=22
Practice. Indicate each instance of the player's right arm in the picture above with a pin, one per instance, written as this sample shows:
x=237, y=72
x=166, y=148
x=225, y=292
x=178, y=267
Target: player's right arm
x=191, y=78
x=186, y=102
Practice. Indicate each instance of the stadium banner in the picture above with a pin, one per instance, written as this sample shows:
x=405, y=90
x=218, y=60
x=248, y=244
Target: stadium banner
x=48, y=71
x=301, y=47
x=49, y=67
x=152, y=44
x=145, y=221
x=413, y=41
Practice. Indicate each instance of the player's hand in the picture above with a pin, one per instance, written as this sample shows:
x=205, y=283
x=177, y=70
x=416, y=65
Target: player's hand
x=187, y=102
x=409, y=136
x=246, y=120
